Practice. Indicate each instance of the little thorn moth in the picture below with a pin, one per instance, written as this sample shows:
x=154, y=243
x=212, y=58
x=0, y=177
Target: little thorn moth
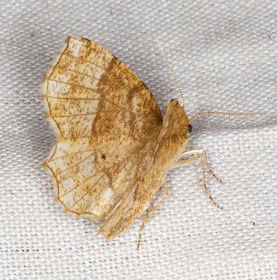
x=113, y=146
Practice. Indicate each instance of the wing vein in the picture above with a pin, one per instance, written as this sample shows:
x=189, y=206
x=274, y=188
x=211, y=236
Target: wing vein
x=70, y=155
x=80, y=98
x=76, y=115
x=58, y=173
x=71, y=84
x=73, y=98
x=78, y=58
x=86, y=192
x=83, y=74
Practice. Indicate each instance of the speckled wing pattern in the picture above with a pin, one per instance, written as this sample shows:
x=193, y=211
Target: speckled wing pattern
x=107, y=124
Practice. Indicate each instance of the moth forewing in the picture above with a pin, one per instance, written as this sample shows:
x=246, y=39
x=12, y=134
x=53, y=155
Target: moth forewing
x=98, y=107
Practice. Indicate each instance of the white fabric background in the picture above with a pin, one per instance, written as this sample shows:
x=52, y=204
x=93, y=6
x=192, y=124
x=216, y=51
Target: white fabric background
x=224, y=55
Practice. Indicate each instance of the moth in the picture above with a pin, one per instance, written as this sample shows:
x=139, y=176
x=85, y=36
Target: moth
x=113, y=146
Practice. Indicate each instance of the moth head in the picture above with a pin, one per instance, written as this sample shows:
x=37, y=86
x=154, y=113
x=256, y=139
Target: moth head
x=176, y=118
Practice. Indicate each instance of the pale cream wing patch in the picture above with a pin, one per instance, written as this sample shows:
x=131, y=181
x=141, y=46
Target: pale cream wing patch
x=103, y=115
x=91, y=177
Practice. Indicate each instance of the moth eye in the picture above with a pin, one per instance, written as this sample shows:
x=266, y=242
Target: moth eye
x=190, y=128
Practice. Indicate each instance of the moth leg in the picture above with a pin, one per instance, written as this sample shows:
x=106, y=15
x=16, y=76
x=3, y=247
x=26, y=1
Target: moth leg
x=152, y=211
x=201, y=150
x=203, y=181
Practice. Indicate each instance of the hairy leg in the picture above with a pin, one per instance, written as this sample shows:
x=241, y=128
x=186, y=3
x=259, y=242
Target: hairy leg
x=152, y=211
x=203, y=181
x=201, y=150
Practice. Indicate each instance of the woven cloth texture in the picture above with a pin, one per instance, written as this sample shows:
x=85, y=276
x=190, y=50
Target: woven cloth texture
x=224, y=55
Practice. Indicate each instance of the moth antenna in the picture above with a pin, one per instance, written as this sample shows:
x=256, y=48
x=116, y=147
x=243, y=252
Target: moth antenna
x=172, y=72
x=224, y=113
